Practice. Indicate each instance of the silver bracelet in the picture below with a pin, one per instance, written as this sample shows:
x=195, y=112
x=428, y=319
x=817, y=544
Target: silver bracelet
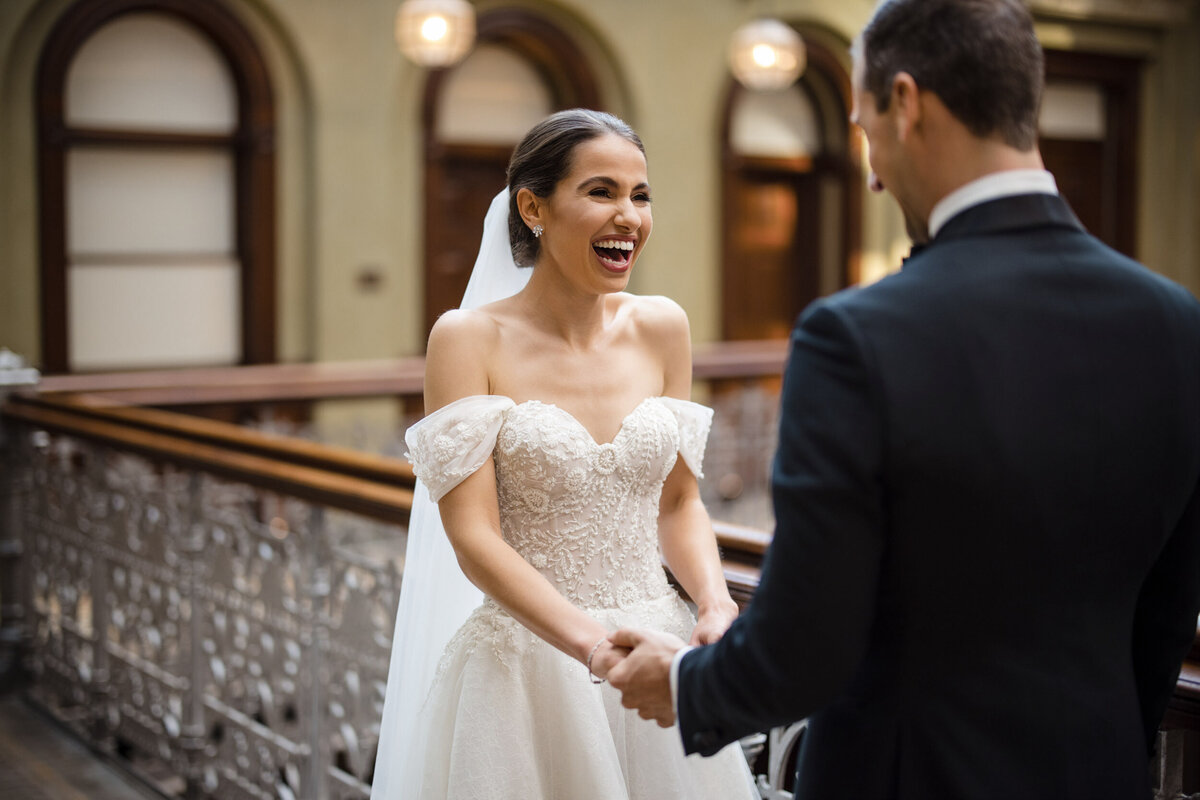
x=595, y=678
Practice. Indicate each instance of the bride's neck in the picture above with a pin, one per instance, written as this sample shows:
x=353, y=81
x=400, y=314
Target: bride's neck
x=578, y=318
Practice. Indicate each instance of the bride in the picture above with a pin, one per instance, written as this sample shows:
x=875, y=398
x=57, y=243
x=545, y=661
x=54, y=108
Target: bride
x=562, y=453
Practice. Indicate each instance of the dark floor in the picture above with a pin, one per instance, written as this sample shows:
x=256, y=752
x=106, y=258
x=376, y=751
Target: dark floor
x=40, y=760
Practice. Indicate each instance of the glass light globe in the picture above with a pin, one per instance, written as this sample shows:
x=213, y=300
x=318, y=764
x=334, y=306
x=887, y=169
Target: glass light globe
x=434, y=29
x=435, y=33
x=766, y=54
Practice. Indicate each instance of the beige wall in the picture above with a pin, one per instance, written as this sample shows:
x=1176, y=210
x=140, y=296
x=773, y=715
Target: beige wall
x=349, y=155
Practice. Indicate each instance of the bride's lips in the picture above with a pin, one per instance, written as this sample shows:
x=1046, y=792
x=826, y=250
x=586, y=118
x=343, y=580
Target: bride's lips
x=615, y=253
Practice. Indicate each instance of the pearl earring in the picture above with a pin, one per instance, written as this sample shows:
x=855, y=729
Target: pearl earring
x=538, y=230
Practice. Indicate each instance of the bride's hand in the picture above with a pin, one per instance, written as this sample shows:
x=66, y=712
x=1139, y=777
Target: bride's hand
x=607, y=656
x=712, y=623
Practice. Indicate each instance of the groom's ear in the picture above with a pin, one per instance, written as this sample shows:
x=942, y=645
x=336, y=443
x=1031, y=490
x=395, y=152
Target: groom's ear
x=530, y=207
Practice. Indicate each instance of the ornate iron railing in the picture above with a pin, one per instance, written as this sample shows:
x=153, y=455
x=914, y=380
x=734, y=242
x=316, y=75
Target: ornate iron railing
x=235, y=635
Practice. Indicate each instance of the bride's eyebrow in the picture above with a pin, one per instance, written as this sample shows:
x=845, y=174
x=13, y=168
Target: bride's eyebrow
x=610, y=183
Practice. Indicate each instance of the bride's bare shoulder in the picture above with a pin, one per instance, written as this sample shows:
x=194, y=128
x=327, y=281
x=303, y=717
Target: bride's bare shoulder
x=657, y=317
x=661, y=329
x=457, y=357
x=462, y=328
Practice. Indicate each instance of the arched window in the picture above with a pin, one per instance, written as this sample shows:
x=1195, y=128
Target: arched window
x=156, y=177
x=791, y=199
x=523, y=67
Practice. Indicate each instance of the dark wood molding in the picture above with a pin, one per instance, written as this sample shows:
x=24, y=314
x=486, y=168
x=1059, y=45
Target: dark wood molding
x=769, y=164
x=52, y=246
x=252, y=144
x=115, y=137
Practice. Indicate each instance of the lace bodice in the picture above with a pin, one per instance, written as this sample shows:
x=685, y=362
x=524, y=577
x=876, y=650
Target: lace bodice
x=583, y=513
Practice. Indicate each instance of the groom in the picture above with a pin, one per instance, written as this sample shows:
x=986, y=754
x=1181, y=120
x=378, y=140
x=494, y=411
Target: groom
x=986, y=565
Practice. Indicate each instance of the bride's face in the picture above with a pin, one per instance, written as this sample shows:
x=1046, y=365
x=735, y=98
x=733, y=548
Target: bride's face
x=598, y=219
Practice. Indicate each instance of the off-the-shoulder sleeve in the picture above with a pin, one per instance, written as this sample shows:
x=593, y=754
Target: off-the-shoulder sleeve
x=694, y=421
x=454, y=441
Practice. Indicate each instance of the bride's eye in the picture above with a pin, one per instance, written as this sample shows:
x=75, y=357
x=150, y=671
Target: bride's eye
x=641, y=197
x=599, y=191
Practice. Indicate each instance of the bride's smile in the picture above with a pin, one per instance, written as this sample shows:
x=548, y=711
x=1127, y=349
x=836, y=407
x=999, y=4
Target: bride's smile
x=616, y=252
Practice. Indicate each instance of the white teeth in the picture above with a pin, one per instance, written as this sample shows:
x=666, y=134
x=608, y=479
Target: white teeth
x=613, y=244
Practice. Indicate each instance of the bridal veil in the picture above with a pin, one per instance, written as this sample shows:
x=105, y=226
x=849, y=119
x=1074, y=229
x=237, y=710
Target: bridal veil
x=435, y=596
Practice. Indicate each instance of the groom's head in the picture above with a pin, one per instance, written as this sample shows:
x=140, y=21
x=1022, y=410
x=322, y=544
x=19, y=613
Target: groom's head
x=945, y=90
x=980, y=57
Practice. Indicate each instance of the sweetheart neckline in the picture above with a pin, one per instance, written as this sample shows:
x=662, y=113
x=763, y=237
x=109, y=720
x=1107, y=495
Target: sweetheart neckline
x=620, y=428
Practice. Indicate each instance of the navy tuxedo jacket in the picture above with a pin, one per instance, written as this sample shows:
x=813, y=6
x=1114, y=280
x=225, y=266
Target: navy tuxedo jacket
x=986, y=563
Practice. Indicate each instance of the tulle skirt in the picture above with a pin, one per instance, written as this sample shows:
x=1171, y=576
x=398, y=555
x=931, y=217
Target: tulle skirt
x=509, y=717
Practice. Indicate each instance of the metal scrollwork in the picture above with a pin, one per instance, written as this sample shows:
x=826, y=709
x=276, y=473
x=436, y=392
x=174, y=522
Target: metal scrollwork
x=238, y=638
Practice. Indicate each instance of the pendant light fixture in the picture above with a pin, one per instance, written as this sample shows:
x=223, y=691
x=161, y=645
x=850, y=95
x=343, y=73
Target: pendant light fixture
x=435, y=33
x=766, y=54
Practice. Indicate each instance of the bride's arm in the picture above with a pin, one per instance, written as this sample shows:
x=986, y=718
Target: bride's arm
x=685, y=530
x=690, y=548
x=456, y=362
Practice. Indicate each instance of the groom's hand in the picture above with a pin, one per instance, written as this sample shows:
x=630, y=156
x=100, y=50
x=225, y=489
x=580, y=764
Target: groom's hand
x=644, y=677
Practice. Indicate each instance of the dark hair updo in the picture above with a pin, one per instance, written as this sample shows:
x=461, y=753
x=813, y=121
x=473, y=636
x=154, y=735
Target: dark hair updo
x=543, y=158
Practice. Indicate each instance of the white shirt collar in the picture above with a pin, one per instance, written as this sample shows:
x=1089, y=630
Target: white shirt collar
x=998, y=184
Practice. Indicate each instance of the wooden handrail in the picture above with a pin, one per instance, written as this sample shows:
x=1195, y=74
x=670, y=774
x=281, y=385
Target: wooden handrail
x=250, y=384
x=384, y=501
x=288, y=449
x=747, y=543
x=732, y=360
x=1188, y=684
x=401, y=377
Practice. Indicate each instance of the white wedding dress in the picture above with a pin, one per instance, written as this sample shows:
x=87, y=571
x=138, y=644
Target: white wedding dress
x=510, y=717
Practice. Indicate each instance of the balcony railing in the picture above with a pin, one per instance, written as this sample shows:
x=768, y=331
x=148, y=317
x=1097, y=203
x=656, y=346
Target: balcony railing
x=211, y=601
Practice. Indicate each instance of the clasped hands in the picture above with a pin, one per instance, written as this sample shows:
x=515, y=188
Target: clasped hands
x=638, y=663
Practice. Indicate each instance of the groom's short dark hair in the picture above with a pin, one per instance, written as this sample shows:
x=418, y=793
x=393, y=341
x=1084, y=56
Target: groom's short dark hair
x=543, y=158
x=980, y=57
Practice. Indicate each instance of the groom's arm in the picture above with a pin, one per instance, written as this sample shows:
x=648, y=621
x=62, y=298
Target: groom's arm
x=807, y=628
x=1164, y=625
